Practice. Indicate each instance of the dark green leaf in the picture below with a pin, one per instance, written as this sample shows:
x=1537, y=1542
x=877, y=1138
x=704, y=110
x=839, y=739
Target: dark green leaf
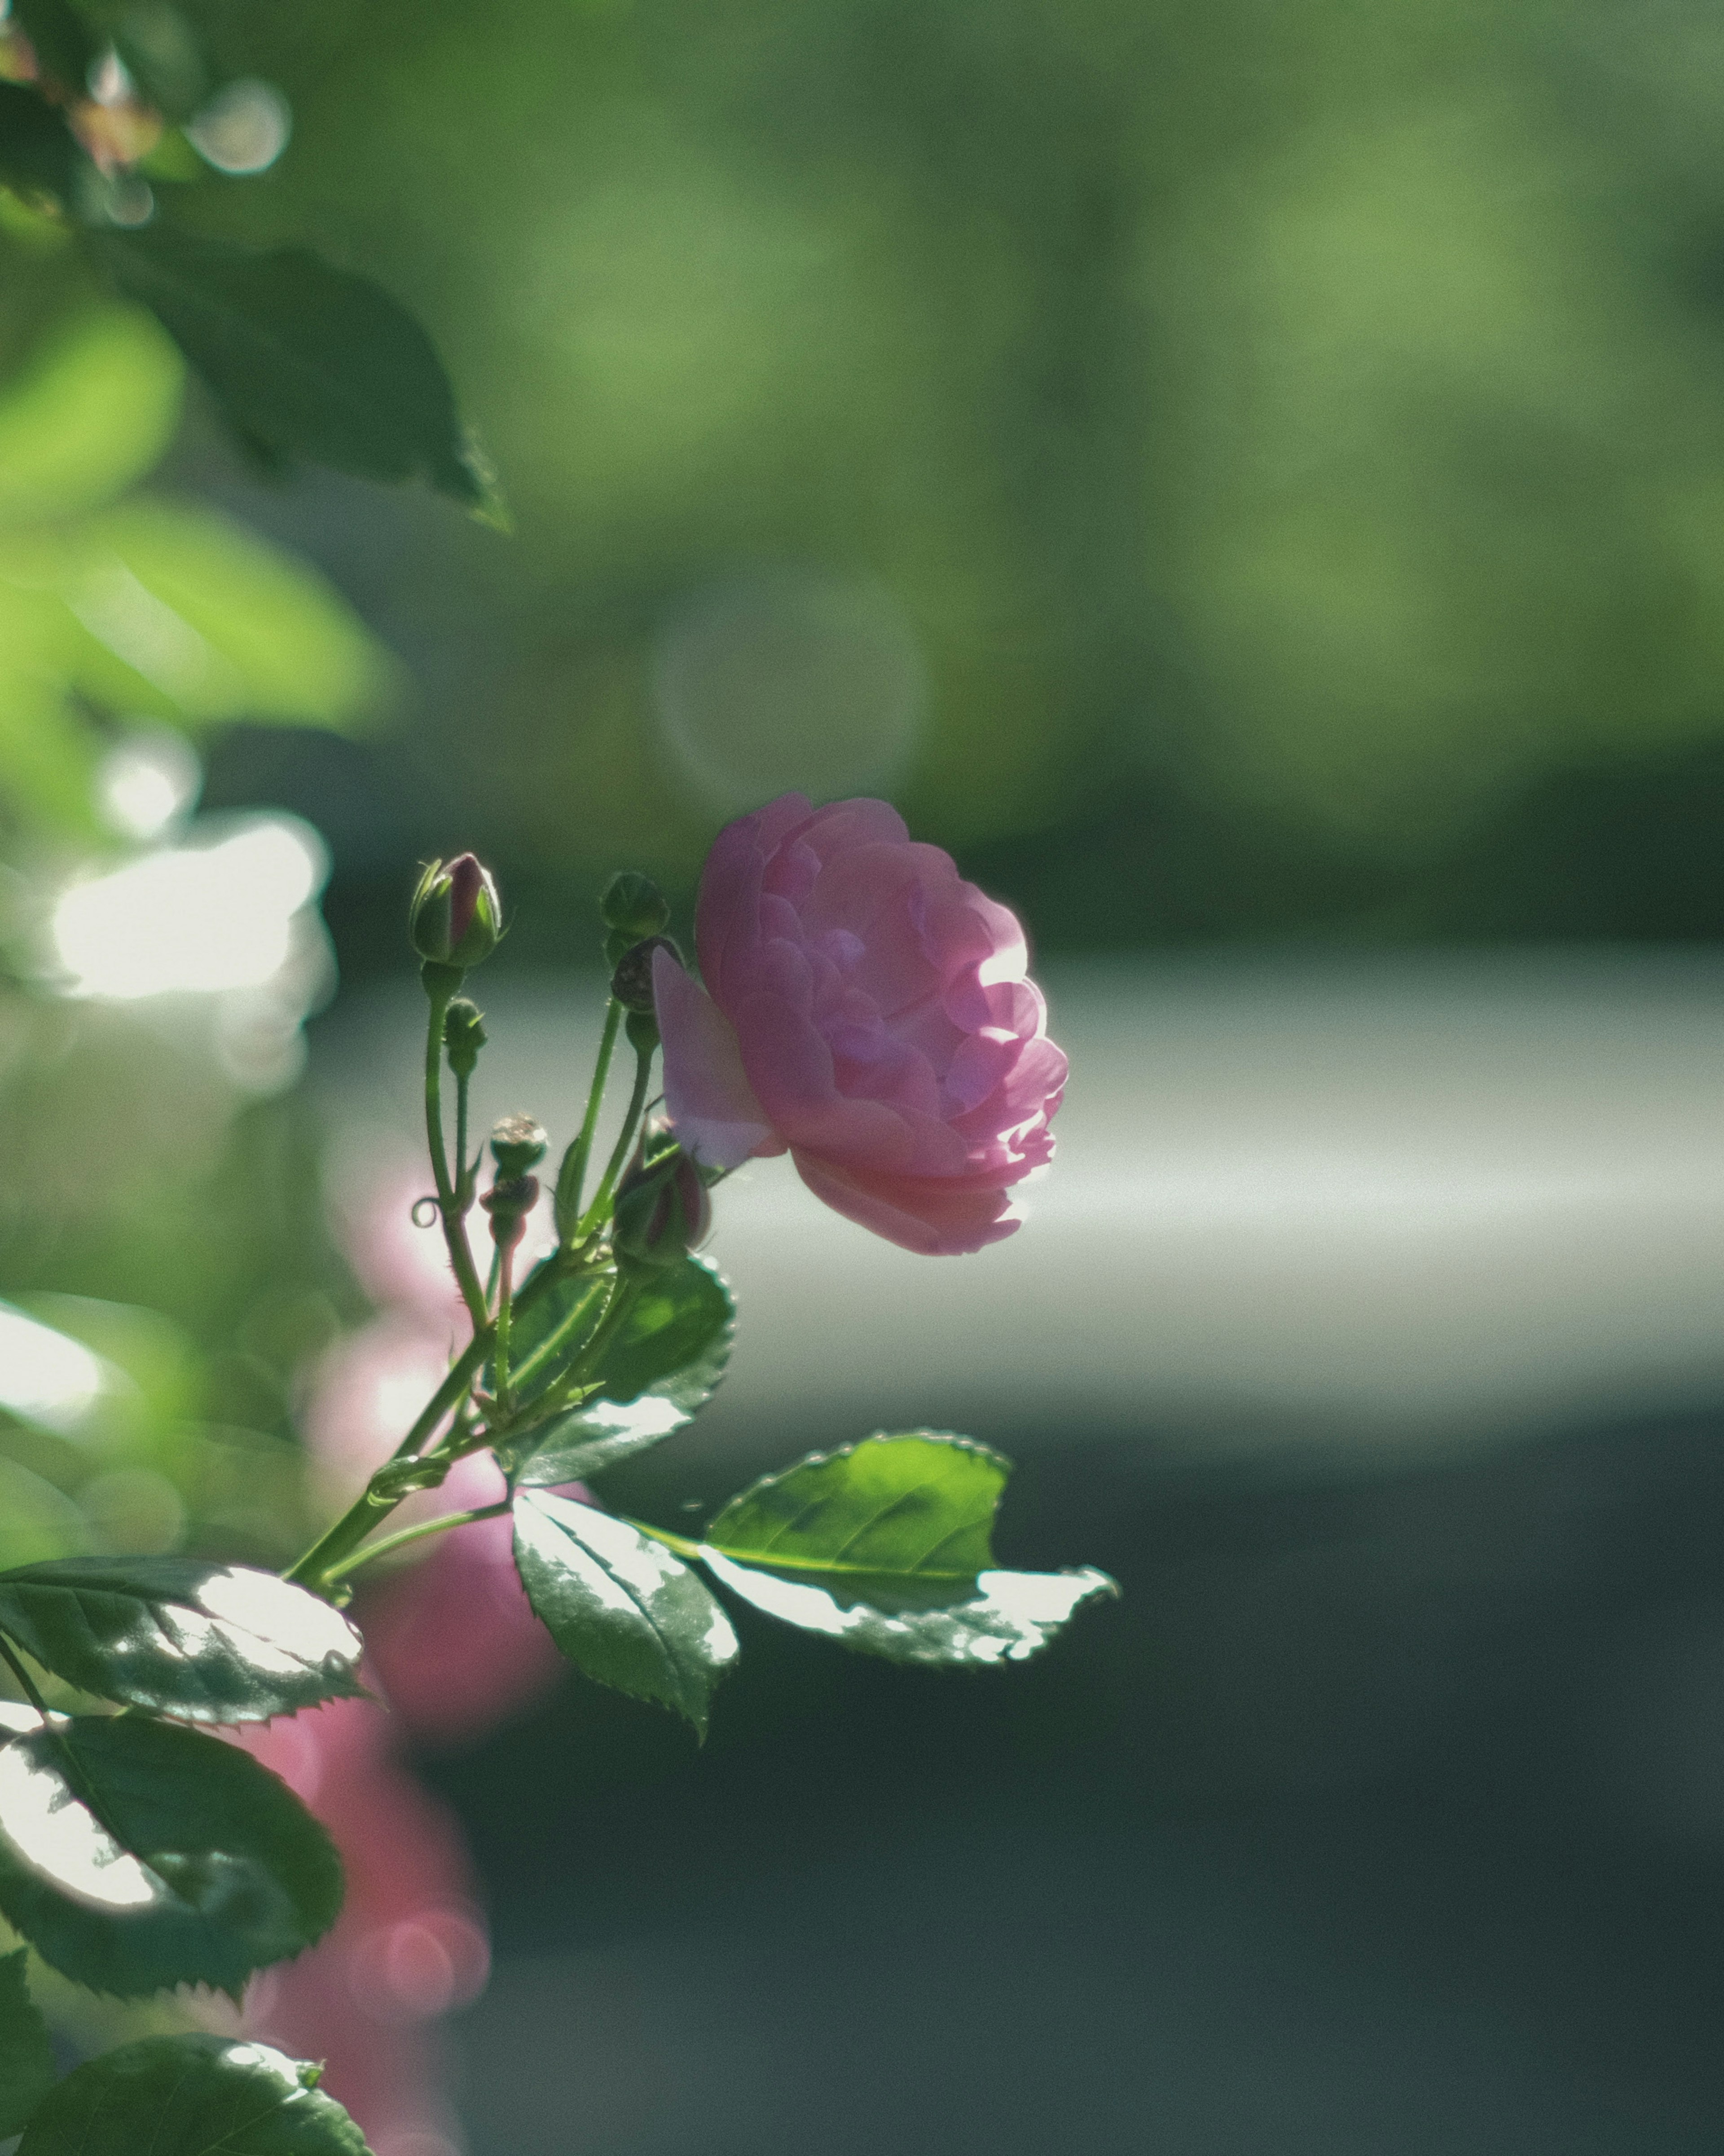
x=888, y=1546
x=663, y=1368
x=26, y=2057
x=37, y=154
x=65, y=42
x=620, y=1606
x=136, y=1855
x=191, y=2096
x=309, y=362
x=178, y=1635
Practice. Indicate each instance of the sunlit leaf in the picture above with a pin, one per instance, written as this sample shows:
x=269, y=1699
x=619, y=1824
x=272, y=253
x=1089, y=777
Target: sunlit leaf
x=182, y=1636
x=663, y=1368
x=310, y=363
x=93, y=409
x=620, y=1606
x=219, y=621
x=1007, y=1617
x=137, y=1854
x=191, y=2096
x=887, y=1546
x=26, y=2057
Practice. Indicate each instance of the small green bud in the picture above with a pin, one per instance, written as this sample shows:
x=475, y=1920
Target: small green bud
x=662, y=1211
x=632, y=981
x=634, y=904
x=518, y=1143
x=642, y=1028
x=463, y=1036
x=617, y=944
x=456, y=916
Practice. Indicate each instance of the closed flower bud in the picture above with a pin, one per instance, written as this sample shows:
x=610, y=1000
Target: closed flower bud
x=456, y=916
x=662, y=1209
x=518, y=1143
x=631, y=982
x=463, y=1036
x=633, y=904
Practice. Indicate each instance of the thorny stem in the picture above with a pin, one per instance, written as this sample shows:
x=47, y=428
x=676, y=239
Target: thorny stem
x=506, y=1293
x=573, y=1171
x=455, y=1225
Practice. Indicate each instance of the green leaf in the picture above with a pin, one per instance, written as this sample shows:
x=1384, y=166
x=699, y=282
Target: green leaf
x=887, y=1546
x=308, y=361
x=191, y=2096
x=663, y=1368
x=65, y=44
x=620, y=1606
x=182, y=1636
x=38, y=153
x=137, y=1854
x=94, y=407
x=26, y=2057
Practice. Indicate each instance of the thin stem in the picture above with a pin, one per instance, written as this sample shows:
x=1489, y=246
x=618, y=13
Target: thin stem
x=506, y=1292
x=23, y=1675
x=625, y=1291
x=455, y=1225
x=573, y=1171
x=403, y=1535
x=596, y=1211
x=462, y=1198
x=553, y=1341
x=323, y=1560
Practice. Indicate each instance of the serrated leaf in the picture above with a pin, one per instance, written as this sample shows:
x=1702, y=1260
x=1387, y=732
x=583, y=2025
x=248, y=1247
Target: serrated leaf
x=620, y=1606
x=26, y=2057
x=1008, y=1618
x=664, y=1366
x=887, y=1546
x=313, y=363
x=182, y=1636
x=138, y=1855
x=191, y=2096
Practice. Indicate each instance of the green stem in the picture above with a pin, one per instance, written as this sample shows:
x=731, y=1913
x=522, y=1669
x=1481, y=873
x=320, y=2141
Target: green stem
x=455, y=1225
x=596, y=1211
x=573, y=1171
x=553, y=1341
x=323, y=1561
x=403, y=1537
x=463, y=1194
x=500, y=1358
x=625, y=1289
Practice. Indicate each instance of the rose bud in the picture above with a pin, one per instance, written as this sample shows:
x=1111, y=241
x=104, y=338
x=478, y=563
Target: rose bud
x=456, y=916
x=662, y=1208
x=518, y=1143
x=631, y=982
x=867, y=1010
x=463, y=1036
x=634, y=906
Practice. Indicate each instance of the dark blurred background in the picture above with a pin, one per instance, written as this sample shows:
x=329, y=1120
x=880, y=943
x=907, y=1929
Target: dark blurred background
x=1247, y=479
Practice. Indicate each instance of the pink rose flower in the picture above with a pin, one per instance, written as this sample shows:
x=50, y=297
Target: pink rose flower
x=868, y=1010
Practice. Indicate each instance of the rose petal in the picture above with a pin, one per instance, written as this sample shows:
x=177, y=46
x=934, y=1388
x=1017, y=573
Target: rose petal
x=711, y=1106
x=935, y=1217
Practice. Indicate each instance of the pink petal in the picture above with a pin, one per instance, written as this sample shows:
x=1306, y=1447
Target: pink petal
x=711, y=1106
x=731, y=882
x=936, y=1216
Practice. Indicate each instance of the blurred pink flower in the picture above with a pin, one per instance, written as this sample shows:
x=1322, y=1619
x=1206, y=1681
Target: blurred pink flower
x=868, y=1009
x=452, y=1648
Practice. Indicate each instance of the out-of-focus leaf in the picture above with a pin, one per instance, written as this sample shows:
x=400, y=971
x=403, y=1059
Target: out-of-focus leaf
x=317, y=365
x=191, y=2096
x=221, y=622
x=887, y=1546
x=91, y=412
x=200, y=1866
x=37, y=153
x=37, y=1522
x=65, y=43
x=620, y=1606
x=26, y=2057
x=179, y=1636
x=162, y=55
x=664, y=1366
